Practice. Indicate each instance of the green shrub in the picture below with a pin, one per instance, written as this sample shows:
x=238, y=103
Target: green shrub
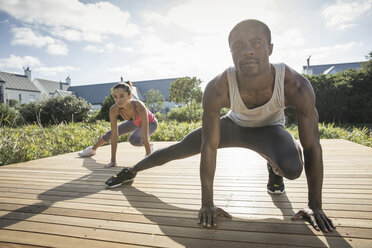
x=361, y=136
x=159, y=116
x=344, y=97
x=67, y=109
x=173, y=130
x=34, y=141
x=182, y=114
x=8, y=116
x=56, y=110
x=31, y=112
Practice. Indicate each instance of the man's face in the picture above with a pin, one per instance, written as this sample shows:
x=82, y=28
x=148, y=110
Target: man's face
x=250, y=50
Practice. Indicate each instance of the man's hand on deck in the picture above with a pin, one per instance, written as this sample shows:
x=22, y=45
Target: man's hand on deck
x=208, y=215
x=317, y=219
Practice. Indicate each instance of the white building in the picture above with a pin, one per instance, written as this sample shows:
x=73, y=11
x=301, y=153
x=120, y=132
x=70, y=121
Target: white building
x=51, y=88
x=18, y=88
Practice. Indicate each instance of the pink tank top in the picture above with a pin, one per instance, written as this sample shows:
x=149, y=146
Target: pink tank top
x=137, y=120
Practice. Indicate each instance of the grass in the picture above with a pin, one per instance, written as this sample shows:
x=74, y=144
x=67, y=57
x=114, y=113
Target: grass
x=34, y=141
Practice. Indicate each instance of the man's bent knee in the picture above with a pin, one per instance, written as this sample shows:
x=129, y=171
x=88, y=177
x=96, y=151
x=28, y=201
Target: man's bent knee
x=294, y=171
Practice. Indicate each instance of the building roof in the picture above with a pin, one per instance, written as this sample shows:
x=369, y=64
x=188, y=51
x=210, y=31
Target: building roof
x=62, y=93
x=160, y=84
x=52, y=86
x=96, y=93
x=17, y=82
x=331, y=68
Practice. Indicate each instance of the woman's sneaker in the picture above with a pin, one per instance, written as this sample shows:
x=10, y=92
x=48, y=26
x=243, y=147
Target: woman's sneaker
x=125, y=175
x=87, y=152
x=275, y=185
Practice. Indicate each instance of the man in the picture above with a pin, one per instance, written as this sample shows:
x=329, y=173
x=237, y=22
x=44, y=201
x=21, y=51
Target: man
x=257, y=93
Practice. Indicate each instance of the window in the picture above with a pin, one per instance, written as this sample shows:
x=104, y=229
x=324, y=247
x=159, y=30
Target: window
x=20, y=97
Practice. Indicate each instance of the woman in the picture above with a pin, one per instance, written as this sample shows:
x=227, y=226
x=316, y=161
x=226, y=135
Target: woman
x=138, y=119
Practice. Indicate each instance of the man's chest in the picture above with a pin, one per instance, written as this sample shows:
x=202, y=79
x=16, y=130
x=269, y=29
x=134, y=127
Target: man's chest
x=254, y=99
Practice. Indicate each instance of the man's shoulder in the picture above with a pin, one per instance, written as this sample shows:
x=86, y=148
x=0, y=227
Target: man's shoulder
x=297, y=88
x=218, y=84
x=217, y=90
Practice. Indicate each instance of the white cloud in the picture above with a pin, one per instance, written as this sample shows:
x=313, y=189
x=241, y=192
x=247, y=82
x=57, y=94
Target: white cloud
x=125, y=49
x=57, y=49
x=107, y=47
x=290, y=38
x=95, y=49
x=69, y=34
x=344, y=14
x=18, y=62
x=110, y=46
x=203, y=56
x=53, y=71
x=72, y=19
x=152, y=17
x=214, y=16
x=27, y=37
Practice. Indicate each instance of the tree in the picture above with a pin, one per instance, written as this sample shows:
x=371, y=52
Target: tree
x=154, y=100
x=103, y=113
x=367, y=66
x=187, y=90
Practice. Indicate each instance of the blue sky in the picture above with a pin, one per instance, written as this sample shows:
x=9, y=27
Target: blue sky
x=100, y=41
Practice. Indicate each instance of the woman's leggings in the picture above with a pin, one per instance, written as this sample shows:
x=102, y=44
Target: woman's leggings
x=274, y=143
x=136, y=137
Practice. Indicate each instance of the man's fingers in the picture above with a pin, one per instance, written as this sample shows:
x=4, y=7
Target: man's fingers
x=204, y=219
x=328, y=226
x=331, y=223
x=209, y=221
x=321, y=225
x=214, y=221
x=313, y=221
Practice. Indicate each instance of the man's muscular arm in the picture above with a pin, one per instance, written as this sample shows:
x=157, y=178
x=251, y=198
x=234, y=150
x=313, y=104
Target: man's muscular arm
x=215, y=97
x=300, y=95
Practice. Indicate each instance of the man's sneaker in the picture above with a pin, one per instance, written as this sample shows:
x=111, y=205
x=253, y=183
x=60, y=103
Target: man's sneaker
x=87, y=152
x=275, y=185
x=125, y=175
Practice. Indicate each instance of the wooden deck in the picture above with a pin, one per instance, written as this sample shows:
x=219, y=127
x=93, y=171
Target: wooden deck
x=62, y=202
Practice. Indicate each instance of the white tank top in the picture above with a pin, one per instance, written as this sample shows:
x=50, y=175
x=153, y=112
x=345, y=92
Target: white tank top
x=269, y=114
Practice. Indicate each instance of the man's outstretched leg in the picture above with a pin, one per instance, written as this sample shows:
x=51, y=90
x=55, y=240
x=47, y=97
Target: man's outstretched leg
x=187, y=147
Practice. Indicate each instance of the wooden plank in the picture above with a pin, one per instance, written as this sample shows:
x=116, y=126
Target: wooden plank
x=47, y=240
x=257, y=202
x=76, y=190
x=218, y=190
